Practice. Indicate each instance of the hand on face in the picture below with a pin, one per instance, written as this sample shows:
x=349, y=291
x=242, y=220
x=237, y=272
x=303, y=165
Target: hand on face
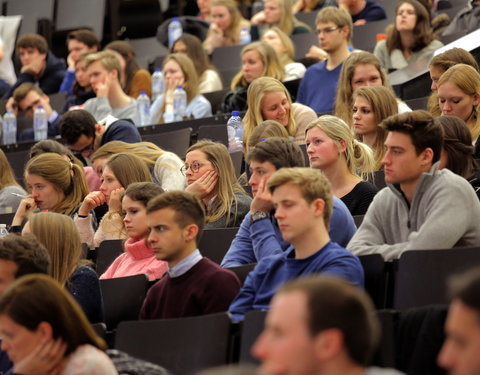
x=204, y=185
x=115, y=203
x=262, y=201
x=26, y=206
x=46, y=358
x=35, y=67
x=258, y=19
x=316, y=53
x=103, y=87
x=12, y=105
x=92, y=201
x=71, y=61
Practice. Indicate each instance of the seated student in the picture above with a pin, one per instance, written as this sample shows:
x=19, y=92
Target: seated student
x=439, y=64
x=39, y=65
x=372, y=105
x=138, y=256
x=118, y=173
x=79, y=42
x=303, y=205
x=27, y=98
x=457, y=153
x=363, y=11
x=56, y=334
x=106, y=74
x=227, y=22
x=19, y=256
x=319, y=84
x=67, y=267
x=259, y=234
x=258, y=60
x=268, y=99
x=134, y=80
x=277, y=13
x=194, y=285
x=360, y=69
x=9, y=187
x=208, y=77
x=308, y=6
x=345, y=161
x=459, y=95
x=285, y=50
x=415, y=211
x=410, y=38
x=179, y=70
x=81, y=89
x=211, y=177
x=164, y=166
x=320, y=325
x=84, y=135
x=466, y=20
x=54, y=184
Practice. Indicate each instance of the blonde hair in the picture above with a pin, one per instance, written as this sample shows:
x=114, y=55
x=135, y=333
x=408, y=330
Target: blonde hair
x=109, y=61
x=128, y=168
x=7, y=177
x=266, y=129
x=271, y=64
x=358, y=156
x=383, y=104
x=232, y=32
x=287, y=20
x=338, y=16
x=344, y=100
x=191, y=80
x=467, y=79
x=147, y=151
x=286, y=57
x=227, y=185
x=312, y=184
x=59, y=234
x=255, y=95
x=65, y=176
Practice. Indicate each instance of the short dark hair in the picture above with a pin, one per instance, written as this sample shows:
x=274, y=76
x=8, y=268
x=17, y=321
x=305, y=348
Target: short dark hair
x=26, y=252
x=143, y=191
x=84, y=36
x=281, y=152
x=188, y=208
x=465, y=287
x=32, y=41
x=75, y=123
x=334, y=303
x=422, y=128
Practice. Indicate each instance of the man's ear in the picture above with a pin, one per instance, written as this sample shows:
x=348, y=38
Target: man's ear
x=328, y=344
x=45, y=330
x=43, y=56
x=191, y=232
x=99, y=129
x=319, y=207
x=427, y=156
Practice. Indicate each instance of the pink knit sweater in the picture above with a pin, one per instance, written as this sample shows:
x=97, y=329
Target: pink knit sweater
x=138, y=258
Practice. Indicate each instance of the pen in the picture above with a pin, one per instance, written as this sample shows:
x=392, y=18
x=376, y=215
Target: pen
x=19, y=195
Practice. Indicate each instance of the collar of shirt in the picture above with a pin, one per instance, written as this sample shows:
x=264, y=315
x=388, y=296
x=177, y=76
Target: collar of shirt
x=107, y=121
x=185, y=264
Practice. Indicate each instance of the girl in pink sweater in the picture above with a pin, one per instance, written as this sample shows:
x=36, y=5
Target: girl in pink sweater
x=138, y=256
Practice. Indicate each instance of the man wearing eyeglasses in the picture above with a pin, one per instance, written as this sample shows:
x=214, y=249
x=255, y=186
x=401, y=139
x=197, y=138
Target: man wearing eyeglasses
x=84, y=135
x=319, y=85
x=26, y=98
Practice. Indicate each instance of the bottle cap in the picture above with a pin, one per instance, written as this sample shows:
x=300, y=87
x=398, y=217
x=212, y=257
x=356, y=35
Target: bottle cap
x=179, y=87
x=40, y=107
x=175, y=19
x=158, y=70
x=9, y=111
x=143, y=92
x=235, y=113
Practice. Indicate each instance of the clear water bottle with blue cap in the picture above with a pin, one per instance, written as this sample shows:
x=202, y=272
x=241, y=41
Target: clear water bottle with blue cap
x=157, y=84
x=3, y=230
x=9, y=128
x=235, y=132
x=143, y=108
x=179, y=103
x=245, y=36
x=175, y=31
x=40, y=123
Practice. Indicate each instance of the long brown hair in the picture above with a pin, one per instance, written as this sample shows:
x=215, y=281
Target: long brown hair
x=7, y=177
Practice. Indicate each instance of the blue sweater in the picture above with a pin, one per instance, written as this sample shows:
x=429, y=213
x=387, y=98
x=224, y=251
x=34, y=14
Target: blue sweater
x=262, y=283
x=319, y=87
x=255, y=241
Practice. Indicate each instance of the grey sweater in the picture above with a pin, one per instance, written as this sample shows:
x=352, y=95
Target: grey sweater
x=444, y=213
x=100, y=108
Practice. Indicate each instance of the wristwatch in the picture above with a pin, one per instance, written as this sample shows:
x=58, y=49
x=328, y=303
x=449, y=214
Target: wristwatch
x=258, y=215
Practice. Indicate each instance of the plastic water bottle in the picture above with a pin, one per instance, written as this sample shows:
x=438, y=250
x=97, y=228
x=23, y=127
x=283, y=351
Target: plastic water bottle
x=3, y=230
x=157, y=84
x=179, y=103
x=235, y=132
x=175, y=31
x=40, y=123
x=9, y=128
x=245, y=37
x=143, y=108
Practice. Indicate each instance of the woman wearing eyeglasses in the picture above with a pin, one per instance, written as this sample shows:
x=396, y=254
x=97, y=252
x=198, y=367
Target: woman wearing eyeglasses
x=211, y=176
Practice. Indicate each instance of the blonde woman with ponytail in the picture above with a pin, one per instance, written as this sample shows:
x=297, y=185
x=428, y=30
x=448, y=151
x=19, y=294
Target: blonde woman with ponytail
x=55, y=184
x=346, y=162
